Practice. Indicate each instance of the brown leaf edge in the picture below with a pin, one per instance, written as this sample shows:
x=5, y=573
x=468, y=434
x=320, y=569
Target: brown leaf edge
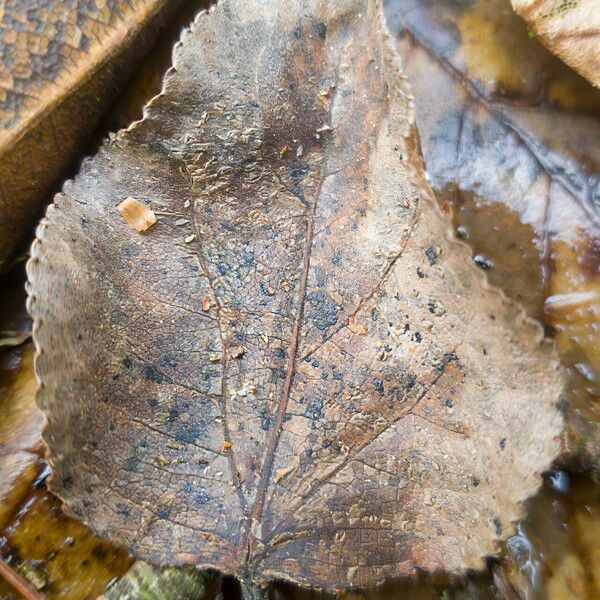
x=417, y=175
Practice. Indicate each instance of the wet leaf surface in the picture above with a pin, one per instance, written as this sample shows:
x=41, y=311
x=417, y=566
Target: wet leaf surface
x=569, y=28
x=62, y=63
x=57, y=554
x=21, y=446
x=549, y=558
x=54, y=553
x=509, y=137
x=368, y=405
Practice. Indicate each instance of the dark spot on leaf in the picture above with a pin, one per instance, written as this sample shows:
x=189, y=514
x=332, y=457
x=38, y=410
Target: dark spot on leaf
x=100, y=552
x=323, y=312
x=432, y=255
x=321, y=29
x=202, y=498
x=498, y=526
x=151, y=374
x=131, y=464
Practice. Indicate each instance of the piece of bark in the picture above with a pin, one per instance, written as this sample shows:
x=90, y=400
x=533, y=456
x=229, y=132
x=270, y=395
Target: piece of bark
x=569, y=28
x=62, y=63
x=412, y=445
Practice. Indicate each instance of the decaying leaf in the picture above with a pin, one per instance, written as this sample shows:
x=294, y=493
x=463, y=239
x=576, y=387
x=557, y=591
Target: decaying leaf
x=15, y=323
x=569, y=28
x=21, y=421
x=57, y=554
x=50, y=551
x=415, y=404
x=62, y=62
x=510, y=141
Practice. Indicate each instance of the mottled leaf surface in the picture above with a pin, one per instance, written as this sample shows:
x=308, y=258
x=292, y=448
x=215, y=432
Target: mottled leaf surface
x=510, y=140
x=569, y=28
x=294, y=373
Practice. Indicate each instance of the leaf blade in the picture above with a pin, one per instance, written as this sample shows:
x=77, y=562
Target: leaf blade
x=318, y=262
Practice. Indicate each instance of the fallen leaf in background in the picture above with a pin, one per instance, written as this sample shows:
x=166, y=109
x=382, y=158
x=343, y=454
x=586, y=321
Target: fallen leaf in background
x=15, y=322
x=57, y=554
x=52, y=552
x=569, y=28
x=510, y=142
x=551, y=556
x=62, y=63
x=376, y=361
x=21, y=446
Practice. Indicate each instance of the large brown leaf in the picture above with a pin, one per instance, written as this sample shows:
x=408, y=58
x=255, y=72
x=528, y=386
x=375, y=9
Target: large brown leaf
x=62, y=62
x=294, y=373
x=510, y=140
x=569, y=28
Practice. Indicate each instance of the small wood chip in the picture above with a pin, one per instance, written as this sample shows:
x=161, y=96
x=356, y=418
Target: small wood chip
x=163, y=460
x=181, y=222
x=206, y=304
x=190, y=238
x=238, y=352
x=226, y=445
x=137, y=214
x=215, y=358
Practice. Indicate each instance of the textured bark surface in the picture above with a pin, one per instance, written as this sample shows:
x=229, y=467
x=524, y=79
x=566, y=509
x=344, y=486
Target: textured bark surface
x=62, y=62
x=294, y=373
x=569, y=28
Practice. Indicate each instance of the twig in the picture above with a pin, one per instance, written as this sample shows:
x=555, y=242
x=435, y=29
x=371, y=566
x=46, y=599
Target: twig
x=19, y=582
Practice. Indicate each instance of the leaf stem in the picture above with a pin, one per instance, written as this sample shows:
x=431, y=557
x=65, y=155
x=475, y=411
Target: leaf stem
x=18, y=582
x=253, y=591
